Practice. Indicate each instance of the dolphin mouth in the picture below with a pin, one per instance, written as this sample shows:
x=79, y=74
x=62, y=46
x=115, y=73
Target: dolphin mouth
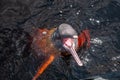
x=69, y=45
x=76, y=57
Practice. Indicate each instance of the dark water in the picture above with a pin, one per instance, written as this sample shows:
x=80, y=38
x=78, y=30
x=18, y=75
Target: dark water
x=19, y=17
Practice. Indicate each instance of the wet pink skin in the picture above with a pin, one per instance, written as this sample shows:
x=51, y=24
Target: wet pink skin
x=68, y=44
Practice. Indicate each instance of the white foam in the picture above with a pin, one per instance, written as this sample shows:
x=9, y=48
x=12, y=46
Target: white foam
x=96, y=41
x=115, y=58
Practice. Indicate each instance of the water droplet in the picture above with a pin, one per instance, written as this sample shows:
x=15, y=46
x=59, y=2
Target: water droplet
x=93, y=50
x=91, y=19
x=71, y=5
x=75, y=36
x=44, y=32
x=98, y=21
x=61, y=11
x=92, y=5
x=78, y=12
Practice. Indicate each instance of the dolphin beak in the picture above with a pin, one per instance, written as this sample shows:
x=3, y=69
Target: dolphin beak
x=69, y=45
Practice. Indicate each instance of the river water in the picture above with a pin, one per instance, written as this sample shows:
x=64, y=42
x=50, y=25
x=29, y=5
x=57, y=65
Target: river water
x=18, y=18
